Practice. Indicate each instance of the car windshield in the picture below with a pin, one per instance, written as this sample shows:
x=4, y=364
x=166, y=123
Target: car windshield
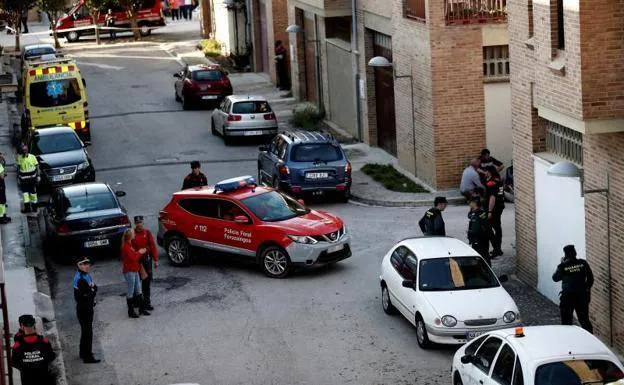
x=578, y=372
x=53, y=93
x=253, y=107
x=207, y=75
x=274, y=206
x=50, y=144
x=89, y=202
x=455, y=273
x=38, y=52
x=318, y=152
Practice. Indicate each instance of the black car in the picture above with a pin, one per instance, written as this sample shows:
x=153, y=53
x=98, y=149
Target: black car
x=62, y=157
x=83, y=218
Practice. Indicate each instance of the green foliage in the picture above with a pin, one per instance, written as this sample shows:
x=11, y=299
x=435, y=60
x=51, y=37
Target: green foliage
x=51, y=6
x=307, y=115
x=131, y=5
x=17, y=6
x=210, y=47
x=392, y=179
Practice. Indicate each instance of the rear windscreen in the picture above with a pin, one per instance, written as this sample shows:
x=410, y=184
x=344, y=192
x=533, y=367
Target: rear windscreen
x=252, y=107
x=38, y=52
x=55, y=93
x=317, y=152
x=207, y=75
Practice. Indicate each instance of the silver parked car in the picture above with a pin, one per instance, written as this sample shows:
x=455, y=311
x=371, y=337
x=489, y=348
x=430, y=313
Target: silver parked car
x=240, y=116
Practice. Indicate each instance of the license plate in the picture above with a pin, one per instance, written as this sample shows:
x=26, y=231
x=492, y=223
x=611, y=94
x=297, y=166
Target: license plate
x=317, y=193
x=98, y=243
x=252, y=133
x=471, y=335
x=333, y=249
x=59, y=178
x=317, y=175
x=209, y=97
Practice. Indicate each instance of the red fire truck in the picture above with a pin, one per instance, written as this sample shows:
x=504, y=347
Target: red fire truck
x=78, y=19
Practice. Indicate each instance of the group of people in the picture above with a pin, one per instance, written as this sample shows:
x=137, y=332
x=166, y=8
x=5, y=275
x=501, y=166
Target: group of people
x=181, y=9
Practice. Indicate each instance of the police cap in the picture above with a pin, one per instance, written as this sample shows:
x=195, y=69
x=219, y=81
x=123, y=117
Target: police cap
x=27, y=320
x=81, y=260
x=138, y=219
x=569, y=251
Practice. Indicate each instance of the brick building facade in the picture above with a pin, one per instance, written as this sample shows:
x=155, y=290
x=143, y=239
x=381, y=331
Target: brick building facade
x=567, y=79
x=431, y=112
x=270, y=20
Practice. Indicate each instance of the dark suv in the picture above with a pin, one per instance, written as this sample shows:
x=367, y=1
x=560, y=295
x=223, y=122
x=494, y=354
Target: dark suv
x=305, y=162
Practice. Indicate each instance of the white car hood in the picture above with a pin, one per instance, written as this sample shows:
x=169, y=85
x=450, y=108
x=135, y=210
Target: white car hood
x=471, y=304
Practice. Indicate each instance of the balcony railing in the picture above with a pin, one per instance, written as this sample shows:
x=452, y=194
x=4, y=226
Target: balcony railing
x=475, y=11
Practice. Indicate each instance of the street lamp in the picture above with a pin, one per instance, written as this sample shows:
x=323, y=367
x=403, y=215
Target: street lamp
x=294, y=28
x=382, y=62
x=570, y=170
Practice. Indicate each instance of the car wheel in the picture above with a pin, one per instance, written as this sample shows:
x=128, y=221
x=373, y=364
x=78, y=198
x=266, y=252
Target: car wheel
x=345, y=196
x=457, y=379
x=212, y=127
x=275, y=262
x=72, y=36
x=227, y=140
x=178, y=251
x=177, y=98
x=421, y=333
x=388, y=307
x=186, y=105
x=145, y=30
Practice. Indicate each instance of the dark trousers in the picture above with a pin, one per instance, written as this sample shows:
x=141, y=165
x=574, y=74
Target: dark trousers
x=85, y=318
x=497, y=231
x=483, y=247
x=183, y=11
x=146, y=284
x=24, y=25
x=282, y=75
x=175, y=14
x=575, y=302
x=41, y=377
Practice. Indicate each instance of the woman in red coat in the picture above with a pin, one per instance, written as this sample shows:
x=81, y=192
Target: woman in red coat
x=130, y=265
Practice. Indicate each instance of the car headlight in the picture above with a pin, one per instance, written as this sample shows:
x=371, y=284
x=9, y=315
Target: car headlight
x=344, y=229
x=449, y=321
x=303, y=239
x=509, y=317
x=83, y=165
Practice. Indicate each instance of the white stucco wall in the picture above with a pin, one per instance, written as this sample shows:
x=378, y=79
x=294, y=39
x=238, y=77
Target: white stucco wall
x=225, y=28
x=560, y=220
x=498, y=132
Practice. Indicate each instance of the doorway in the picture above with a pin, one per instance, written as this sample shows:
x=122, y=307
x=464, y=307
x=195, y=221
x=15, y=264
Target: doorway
x=384, y=96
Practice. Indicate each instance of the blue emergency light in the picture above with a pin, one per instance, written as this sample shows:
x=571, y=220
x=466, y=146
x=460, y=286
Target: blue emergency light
x=234, y=184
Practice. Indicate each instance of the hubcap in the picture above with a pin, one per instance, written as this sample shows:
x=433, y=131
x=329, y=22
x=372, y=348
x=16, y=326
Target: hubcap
x=275, y=262
x=73, y=35
x=145, y=30
x=420, y=331
x=177, y=251
x=385, y=298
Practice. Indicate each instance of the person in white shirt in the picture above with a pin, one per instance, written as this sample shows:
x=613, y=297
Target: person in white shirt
x=470, y=179
x=188, y=10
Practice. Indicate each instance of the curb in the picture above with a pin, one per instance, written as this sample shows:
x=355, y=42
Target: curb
x=419, y=203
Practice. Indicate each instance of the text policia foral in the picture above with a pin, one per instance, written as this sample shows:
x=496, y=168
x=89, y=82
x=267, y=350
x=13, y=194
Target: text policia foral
x=235, y=235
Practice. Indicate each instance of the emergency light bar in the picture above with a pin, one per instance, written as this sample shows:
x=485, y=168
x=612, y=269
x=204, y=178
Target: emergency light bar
x=234, y=184
x=47, y=62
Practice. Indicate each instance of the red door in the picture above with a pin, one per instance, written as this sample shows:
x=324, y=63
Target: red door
x=237, y=238
x=384, y=95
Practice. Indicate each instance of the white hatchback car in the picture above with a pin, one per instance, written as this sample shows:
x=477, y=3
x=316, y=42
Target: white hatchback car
x=443, y=287
x=537, y=355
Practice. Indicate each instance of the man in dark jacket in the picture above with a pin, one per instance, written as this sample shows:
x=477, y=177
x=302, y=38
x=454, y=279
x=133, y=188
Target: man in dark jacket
x=84, y=294
x=32, y=354
x=432, y=222
x=196, y=178
x=479, y=229
x=577, y=280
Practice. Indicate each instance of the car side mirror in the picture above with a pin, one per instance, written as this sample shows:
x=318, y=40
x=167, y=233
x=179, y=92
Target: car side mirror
x=84, y=83
x=120, y=194
x=409, y=284
x=467, y=359
x=301, y=202
x=177, y=75
x=263, y=148
x=241, y=219
x=503, y=278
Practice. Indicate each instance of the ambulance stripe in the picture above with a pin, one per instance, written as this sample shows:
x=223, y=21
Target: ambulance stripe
x=39, y=72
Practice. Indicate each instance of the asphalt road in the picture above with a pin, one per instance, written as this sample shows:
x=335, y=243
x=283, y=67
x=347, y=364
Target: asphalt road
x=222, y=322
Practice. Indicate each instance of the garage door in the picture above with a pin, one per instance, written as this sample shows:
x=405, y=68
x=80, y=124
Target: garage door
x=341, y=88
x=560, y=220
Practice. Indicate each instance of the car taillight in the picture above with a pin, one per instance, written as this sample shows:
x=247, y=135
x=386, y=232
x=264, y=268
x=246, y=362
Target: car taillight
x=234, y=118
x=348, y=168
x=63, y=229
x=123, y=220
x=191, y=84
x=270, y=116
x=162, y=215
x=283, y=169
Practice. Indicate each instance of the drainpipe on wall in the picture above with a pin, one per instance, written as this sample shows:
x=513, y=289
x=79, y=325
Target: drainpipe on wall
x=249, y=46
x=356, y=72
x=319, y=79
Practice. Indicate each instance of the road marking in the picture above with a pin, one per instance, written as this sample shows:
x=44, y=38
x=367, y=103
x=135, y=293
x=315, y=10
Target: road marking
x=176, y=163
x=103, y=66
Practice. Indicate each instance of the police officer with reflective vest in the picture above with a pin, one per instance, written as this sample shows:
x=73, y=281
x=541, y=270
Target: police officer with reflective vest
x=432, y=222
x=85, y=290
x=32, y=354
x=28, y=173
x=577, y=280
x=494, y=202
x=479, y=229
x=196, y=178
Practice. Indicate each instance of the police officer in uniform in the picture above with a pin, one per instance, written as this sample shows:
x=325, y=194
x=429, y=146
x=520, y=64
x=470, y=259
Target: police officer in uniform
x=494, y=202
x=84, y=294
x=28, y=173
x=432, y=222
x=479, y=229
x=196, y=178
x=577, y=280
x=32, y=354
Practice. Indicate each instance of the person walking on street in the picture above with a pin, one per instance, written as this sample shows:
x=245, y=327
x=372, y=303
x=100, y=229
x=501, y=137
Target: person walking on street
x=432, y=222
x=32, y=354
x=3, y=216
x=85, y=290
x=196, y=178
x=495, y=201
x=175, y=10
x=144, y=239
x=577, y=280
x=470, y=179
x=28, y=174
x=131, y=265
x=109, y=21
x=281, y=64
x=479, y=229
x=24, y=20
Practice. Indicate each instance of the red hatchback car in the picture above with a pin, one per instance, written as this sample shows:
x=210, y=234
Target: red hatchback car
x=201, y=84
x=260, y=223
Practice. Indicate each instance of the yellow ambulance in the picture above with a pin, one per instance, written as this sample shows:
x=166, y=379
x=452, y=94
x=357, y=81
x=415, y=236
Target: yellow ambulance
x=54, y=94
